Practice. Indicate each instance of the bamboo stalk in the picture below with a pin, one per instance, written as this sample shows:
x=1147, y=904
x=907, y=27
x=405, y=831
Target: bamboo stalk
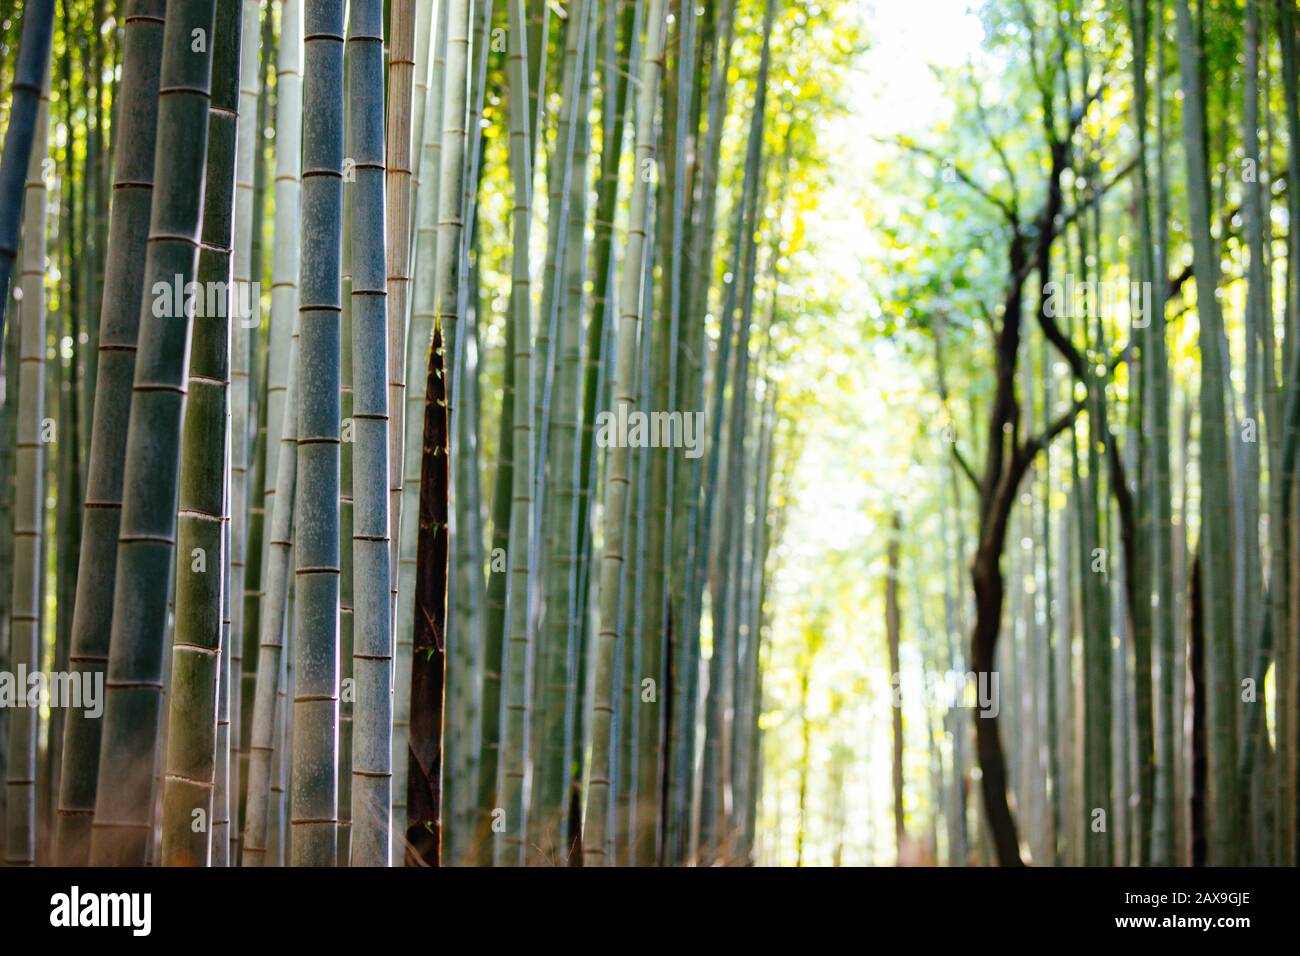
x=197, y=649
x=29, y=500
x=118, y=328
x=373, y=316
x=134, y=686
x=314, y=778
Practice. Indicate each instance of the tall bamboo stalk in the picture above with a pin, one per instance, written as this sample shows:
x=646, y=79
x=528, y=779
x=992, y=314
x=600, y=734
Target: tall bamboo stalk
x=134, y=687
x=242, y=402
x=423, y=314
x=267, y=608
x=372, y=656
x=314, y=776
x=29, y=502
x=119, y=319
x=197, y=651
x=519, y=647
x=567, y=194
x=617, y=479
x=1216, y=546
x=397, y=197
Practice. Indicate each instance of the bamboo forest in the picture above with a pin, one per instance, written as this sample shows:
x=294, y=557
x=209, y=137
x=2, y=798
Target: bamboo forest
x=678, y=433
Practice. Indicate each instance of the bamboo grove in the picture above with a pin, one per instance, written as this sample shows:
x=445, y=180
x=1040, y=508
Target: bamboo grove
x=389, y=425
x=507, y=432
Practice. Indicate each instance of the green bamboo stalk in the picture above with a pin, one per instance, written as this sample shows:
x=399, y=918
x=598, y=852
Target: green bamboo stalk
x=751, y=735
x=31, y=76
x=224, y=785
x=424, y=34
x=1216, y=548
x=313, y=778
x=514, y=736
x=280, y=838
x=346, y=502
x=118, y=325
x=617, y=479
x=568, y=395
x=67, y=520
x=694, y=306
x=372, y=657
x=716, y=759
x=1164, y=827
x=269, y=710
x=29, y=501
x=133, y=699
x=1258, y=324
x=1281, y=589
x=466, y=692
x=271, y=404
x=567, y=180
x=559, y=172
x=285, y=261
x=398, y=220
x=255, y=483
x=247, y=161
x=197, y=651
x=8, y=440
x=687, y=108
x=486, y=792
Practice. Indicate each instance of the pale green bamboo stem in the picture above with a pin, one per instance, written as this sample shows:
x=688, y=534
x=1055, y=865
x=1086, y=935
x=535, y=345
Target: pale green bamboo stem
x=248, y=143
x=278, y=496
x=617, y=479
x=556, y=686
x=514, y=737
